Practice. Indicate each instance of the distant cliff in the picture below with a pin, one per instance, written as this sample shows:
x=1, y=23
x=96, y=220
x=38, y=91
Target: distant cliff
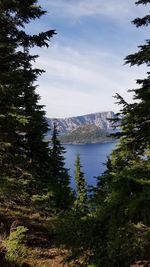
x=99, y=119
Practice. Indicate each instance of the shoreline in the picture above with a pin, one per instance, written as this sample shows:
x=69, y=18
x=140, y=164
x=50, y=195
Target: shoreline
x=89, y=143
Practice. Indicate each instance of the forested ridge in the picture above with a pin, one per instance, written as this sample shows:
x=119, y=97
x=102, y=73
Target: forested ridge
x=86, y=134
x=43, y=222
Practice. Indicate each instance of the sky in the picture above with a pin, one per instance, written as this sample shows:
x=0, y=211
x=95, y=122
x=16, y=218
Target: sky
x=84, y=63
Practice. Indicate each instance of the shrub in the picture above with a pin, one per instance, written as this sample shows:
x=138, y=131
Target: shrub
x=16, y=250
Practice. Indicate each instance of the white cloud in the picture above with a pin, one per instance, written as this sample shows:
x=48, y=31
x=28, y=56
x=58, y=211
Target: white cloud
x=116, y=9
x=78, y=83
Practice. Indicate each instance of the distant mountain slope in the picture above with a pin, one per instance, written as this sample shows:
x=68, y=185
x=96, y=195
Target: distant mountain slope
x=99, y=119
x=85, y=134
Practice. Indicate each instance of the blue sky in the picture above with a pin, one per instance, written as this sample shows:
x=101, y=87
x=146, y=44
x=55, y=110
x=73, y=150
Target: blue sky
x=84, y=63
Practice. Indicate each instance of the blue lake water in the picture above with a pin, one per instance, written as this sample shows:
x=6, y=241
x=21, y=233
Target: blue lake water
x=93, y=158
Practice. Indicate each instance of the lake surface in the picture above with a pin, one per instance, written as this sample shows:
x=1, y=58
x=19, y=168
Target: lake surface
x=93, y=158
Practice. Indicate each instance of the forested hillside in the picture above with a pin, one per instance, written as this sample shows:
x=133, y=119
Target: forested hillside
x=86, y=134
x=42, y=221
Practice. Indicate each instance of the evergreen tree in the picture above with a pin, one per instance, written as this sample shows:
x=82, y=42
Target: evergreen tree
x=80, y=184
x=135, y=122
x=23, y=153
x=123, y=194
x=59, y=173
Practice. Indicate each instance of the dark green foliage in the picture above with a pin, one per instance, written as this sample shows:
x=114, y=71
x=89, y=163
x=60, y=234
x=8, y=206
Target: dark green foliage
x=122, y=201
x=60, y=178
x=145, y=20
x=123, y=192
x=136, y=117
x=144, y=2
x=23, y=153
x=81, y=201
x=78, y=232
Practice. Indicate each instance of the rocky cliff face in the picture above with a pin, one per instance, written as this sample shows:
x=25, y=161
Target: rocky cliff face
x=99, y=119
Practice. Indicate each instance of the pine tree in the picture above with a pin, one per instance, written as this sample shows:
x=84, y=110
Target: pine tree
x=132, y=157
x=135, y=122
x=80, y=184
x=123, y=195
x=59, y=173
x=23, y=153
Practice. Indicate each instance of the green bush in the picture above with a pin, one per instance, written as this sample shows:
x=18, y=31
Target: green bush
x=16, y=250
